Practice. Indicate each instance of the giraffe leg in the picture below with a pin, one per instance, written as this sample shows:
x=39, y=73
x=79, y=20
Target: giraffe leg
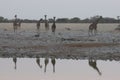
x=95, y=32
x=14, y=29
x=92, y=32
x=89, y=32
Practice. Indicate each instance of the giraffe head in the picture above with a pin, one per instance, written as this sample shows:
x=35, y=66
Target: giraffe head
x=101, y=17
x=97, y=20
x=54, y=18
x=41, y=19
x=45, y=16
x=15, y=16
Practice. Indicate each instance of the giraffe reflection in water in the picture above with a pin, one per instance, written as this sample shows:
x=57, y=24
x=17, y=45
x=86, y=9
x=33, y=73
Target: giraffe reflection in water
x=93, y=64
x=53, y=63
x=15, y=62
x=38, y=62
x=46, y=63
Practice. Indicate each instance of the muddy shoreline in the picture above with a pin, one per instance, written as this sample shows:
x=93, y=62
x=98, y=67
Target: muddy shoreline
x=81, y=56
x=67, y=51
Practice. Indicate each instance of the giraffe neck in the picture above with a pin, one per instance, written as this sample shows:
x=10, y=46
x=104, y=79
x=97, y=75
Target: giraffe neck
x=45, y=17
x=54, y=20
x=96, y=22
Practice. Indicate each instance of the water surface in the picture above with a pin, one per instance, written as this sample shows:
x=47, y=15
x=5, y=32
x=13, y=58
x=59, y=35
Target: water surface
x=57, y=69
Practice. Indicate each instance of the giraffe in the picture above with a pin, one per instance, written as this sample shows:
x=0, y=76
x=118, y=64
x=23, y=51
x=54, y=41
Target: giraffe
x=16, y=23
x=53, y=25
x=38, y=25
x=53, y=63
x=93, y=26
x=46, y=23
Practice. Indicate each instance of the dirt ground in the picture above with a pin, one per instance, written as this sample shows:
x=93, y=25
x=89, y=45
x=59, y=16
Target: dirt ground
x=65, y=44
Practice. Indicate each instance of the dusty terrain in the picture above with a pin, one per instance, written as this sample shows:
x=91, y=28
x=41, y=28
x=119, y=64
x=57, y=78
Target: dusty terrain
x=75, y=44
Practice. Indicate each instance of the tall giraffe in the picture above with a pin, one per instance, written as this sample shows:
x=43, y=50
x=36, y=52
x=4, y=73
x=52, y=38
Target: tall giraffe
x=53, y=25
x=46, y=23
x=38, y=25
x=16, y=23
x=93, y=26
